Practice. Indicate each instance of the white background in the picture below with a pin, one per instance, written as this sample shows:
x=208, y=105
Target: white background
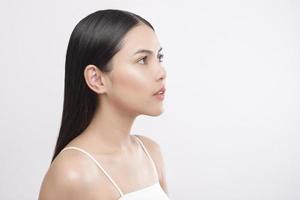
x=231, y=125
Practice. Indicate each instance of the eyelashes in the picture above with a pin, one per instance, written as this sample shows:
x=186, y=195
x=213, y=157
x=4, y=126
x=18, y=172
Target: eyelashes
x=160, y=58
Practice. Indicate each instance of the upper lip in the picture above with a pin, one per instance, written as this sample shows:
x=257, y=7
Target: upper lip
x=162, y=89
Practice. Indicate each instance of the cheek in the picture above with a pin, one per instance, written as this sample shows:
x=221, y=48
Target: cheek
x=131, y=88
x=133, y=82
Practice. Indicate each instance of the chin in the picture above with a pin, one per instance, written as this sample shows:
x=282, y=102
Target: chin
x=155, y=113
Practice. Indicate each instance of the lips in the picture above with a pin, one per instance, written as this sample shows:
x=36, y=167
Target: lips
x=161, y=91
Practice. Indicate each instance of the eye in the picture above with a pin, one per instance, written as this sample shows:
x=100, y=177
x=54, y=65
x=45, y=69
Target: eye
x=160, y=57
x=143, y=59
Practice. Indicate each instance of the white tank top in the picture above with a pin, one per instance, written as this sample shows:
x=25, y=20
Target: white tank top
x=152, y=192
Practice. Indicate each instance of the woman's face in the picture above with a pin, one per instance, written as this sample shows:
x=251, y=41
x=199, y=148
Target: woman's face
x=136, y=76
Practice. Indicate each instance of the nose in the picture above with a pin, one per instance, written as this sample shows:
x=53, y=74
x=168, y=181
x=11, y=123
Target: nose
x=162, y=73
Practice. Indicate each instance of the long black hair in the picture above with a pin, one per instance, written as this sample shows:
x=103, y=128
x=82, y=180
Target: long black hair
x=94, y=40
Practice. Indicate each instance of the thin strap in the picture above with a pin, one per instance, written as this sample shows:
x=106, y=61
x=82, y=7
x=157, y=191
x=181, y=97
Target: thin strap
x=97, y=163
x=145, y=149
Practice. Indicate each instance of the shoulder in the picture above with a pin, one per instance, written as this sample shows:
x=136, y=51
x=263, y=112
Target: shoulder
x=156, y=154
x=63, y=179
x=70, y=176
x=154, y=149
x=150, y=144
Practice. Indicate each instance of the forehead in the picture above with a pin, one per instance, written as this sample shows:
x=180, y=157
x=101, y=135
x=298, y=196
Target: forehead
x=139, y=37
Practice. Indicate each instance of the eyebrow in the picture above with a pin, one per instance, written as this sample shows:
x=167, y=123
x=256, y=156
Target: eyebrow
x=146, y=51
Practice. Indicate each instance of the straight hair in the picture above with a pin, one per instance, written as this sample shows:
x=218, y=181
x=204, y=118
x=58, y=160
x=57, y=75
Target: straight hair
x=94, y=40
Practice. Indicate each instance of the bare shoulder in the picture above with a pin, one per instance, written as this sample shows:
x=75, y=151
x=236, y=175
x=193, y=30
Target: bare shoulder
x=156, y=153
x=71, y=176
x=154, y=150
x=150, y=144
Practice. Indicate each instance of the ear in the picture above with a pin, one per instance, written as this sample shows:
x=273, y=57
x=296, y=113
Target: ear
x=95, y=79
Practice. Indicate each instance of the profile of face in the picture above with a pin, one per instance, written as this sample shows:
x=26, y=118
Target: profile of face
x=136, y=74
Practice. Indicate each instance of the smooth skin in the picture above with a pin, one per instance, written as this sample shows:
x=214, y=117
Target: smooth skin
x=125, y=93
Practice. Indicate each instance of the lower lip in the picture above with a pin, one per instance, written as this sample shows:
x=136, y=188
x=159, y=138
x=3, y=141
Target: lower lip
x=160, y=96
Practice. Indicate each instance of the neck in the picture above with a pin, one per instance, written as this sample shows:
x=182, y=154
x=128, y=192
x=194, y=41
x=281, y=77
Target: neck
x=110, y=128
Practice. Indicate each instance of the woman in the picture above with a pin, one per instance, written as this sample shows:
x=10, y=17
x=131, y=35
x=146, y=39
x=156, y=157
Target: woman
x=113, y=73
